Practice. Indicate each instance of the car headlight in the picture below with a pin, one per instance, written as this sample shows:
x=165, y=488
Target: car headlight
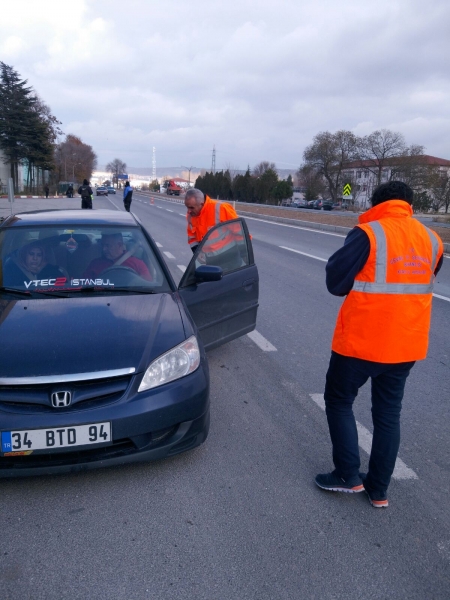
x=176, y=363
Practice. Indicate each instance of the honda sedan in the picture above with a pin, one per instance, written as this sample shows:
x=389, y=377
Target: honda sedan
x=102, y=360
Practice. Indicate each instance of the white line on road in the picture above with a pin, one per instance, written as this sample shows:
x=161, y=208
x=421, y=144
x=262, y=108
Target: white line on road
x=169, y=255
x=182, y=268
x=261, y=341
x=401, y=471
x=294, y=226
x=159, y=245
x=441, y=297
x=168, y=210
x=305, y=254
x=325, y=260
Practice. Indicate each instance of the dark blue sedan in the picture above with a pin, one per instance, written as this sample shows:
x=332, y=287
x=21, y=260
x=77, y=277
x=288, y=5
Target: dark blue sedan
x=102, y=357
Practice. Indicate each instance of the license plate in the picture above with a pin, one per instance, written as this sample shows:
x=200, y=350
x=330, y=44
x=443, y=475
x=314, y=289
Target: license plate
x=58, y=437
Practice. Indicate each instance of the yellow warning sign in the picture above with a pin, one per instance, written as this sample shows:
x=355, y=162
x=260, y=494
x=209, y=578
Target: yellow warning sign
x=347, y=191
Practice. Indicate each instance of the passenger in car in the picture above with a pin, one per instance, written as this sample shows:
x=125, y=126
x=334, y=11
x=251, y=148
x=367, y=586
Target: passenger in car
x=29, y=265
x=115, y=254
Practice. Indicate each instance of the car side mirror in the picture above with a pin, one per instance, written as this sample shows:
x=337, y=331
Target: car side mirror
x=208, y=273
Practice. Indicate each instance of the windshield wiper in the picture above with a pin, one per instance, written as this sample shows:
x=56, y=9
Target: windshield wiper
x=110, y=290
x=32, y=292
x=15, y=291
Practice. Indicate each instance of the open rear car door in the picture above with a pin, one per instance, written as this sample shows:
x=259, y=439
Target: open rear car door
x=221, y=285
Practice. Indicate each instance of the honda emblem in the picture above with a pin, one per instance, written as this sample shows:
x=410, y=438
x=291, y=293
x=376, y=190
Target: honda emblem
x=61, y=399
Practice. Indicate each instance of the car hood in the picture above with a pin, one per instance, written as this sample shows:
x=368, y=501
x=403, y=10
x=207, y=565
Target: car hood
x=57, y=336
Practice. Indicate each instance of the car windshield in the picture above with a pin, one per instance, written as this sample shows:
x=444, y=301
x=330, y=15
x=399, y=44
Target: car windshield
x=78, y=259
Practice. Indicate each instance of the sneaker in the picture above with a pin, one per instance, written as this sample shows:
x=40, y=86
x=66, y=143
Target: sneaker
x=376, y=499
x=334, y=483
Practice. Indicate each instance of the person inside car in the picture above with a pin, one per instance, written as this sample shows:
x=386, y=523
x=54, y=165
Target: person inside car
x=29, y=265
x=115, y=254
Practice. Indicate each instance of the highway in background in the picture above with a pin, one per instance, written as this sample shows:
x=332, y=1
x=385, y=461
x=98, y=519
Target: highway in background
x=241, y=517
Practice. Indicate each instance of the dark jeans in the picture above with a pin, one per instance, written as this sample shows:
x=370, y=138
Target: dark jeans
x=344, y=378
x=86, y=202
x=127, y=204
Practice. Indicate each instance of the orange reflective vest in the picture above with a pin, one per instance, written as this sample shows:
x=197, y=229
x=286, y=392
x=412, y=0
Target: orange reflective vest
x=212, y=213
x=386, y=316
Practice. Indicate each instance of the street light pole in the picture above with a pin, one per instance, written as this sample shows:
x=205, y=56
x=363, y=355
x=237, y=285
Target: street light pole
x=188, y=169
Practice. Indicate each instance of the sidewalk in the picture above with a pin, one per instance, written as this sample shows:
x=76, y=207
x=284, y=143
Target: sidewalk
x=39, y=203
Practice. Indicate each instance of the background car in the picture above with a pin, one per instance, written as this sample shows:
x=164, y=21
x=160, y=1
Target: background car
x=111, y=190
x=327, y=205
x=101, y=191
x=114, y=368
x=317, y=204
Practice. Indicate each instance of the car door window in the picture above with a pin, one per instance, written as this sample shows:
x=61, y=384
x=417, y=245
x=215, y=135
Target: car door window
x=224, y=246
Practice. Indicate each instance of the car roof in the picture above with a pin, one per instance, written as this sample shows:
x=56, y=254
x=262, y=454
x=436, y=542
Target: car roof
x=71, y=217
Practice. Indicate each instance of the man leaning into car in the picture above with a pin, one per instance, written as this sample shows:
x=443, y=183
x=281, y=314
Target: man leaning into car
x=115, y=254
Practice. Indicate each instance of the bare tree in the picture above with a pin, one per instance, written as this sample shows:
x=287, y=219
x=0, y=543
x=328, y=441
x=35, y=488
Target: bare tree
x=379, y=148
x=439, y=188
x=262, y=167
x=329, y=154
x=116, y=167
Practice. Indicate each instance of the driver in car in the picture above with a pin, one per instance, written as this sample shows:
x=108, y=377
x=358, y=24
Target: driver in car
x=115, y=254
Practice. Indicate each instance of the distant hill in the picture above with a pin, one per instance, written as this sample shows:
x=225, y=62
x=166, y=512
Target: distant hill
x=179, y=172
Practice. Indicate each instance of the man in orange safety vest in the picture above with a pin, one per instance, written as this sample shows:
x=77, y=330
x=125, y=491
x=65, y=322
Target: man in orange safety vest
x=203, y=214
x=386, y=270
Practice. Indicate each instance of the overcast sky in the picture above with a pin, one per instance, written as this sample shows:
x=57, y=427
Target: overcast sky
x=256, y=78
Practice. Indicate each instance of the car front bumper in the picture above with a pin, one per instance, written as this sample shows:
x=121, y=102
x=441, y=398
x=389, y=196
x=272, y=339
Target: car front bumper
x=145, y=426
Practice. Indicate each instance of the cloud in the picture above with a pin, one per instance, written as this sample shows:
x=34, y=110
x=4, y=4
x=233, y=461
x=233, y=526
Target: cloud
x=257, y=80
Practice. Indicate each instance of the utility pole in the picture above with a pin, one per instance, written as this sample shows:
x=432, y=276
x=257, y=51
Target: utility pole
x=213, y=162
x=154, y=164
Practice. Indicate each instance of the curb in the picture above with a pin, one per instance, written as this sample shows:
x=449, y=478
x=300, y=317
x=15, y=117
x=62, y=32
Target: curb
x=38, y=197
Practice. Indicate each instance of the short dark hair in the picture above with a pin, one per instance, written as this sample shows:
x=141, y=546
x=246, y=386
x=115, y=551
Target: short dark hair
x=392, y=190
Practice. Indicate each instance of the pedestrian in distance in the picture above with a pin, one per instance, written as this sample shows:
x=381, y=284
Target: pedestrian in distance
x=127, y=196
x=386, y=270
x=203, y=214
x=86, y=193
x=46, y=190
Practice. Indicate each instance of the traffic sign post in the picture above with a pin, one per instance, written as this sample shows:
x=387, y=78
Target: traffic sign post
x=11, y=192
x=347, y=192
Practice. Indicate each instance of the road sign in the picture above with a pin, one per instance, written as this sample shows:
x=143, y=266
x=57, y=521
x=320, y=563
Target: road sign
x=347, y=191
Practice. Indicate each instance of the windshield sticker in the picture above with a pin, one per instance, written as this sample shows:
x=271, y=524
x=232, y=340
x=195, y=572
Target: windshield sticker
x=71, y=245
x=62, y=281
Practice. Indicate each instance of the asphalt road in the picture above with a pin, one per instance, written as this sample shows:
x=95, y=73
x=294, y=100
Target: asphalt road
x=240, y=517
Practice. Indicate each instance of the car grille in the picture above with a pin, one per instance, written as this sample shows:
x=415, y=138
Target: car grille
x=85, y=395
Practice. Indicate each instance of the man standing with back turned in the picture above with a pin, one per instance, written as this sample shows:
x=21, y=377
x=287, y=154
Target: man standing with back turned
x=386, y=270
x=203, y=214
x=85, y=192
x=127, y=196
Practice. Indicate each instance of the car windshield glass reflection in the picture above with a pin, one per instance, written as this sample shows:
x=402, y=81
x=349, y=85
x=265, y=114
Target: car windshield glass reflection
x=79, y=258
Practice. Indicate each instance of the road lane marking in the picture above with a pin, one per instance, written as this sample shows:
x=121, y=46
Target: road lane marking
x=261, y=341
x=401, y=471
x=159, y=245
x=182, y=268
x=168, y=210
x=304, y=253
x=441, y=297
x=169, y=255
x=294, y=226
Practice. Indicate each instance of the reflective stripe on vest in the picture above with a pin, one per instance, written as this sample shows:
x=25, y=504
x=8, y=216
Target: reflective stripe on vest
x=381, y=286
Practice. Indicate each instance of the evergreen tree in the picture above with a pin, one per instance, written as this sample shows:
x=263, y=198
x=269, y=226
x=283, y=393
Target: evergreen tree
x=16, y=118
